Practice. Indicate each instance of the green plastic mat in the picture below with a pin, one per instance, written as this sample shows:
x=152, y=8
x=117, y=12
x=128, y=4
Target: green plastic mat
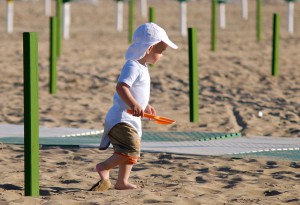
x=147, y=137
x=284, y=154
x=78, y=140
x=186, y=136
x=201, y=143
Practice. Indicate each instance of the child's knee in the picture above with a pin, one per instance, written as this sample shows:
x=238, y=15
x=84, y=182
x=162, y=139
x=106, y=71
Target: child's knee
x=100, y=166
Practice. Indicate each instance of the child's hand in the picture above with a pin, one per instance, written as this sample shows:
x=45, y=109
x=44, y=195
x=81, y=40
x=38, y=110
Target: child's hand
x=149, y=109
x=137, y=111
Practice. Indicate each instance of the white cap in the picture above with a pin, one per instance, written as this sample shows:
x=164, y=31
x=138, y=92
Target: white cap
x=145, y=36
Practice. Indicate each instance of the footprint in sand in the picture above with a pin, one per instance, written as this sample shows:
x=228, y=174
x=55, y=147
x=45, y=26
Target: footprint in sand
x=271, y=165
x=70, y=181
x=203, y=170
x=161, y=175
x=233, y=182
x=280, y=175
x=200, y=180
x=161, y=162
x=272, y=193
x=295, y=165
x=165, y=156
x=292, y=200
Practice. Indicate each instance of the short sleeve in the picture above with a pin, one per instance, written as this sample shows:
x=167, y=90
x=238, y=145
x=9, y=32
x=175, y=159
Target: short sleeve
x=129, y=74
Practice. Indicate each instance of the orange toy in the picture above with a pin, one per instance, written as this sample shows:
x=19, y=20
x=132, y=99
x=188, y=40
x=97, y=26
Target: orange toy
x=157, y=119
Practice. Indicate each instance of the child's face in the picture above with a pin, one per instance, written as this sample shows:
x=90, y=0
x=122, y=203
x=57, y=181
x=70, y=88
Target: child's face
x=156, y=52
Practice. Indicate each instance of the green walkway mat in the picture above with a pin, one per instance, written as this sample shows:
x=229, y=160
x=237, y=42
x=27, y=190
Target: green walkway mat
x=147, y=137
x=196, y=143
x=185, y=136
x=285, y=154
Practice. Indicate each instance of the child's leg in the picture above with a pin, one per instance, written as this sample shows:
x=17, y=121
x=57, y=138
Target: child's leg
x=126, y=143
x=104, y=167
x=124, y=172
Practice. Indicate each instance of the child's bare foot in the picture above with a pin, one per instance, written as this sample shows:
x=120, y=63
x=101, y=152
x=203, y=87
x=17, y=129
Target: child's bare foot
x=103, y=173
x=126, y=186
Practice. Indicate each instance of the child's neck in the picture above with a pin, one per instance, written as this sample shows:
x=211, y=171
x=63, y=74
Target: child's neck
x=143, y=61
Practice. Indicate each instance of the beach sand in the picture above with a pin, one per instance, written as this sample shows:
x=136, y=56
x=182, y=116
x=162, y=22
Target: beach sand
x=66, y=174
x=235, y=84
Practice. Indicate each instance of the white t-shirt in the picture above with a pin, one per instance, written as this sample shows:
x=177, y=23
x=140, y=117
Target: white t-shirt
x=137, y=77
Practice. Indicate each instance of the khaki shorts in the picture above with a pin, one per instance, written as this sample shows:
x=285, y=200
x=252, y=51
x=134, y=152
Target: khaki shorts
x=126, y=141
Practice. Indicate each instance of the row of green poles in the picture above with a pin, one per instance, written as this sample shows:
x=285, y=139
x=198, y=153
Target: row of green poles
x=31, y=114
x=214, y=23
x=31, y=105
x=55, y=45
x=193, y=64
x=131, y=19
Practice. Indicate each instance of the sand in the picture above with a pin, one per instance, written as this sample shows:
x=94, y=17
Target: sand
x=235, y=84
x=164, y=179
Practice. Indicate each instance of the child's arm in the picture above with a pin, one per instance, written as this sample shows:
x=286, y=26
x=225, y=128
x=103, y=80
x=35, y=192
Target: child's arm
x=125, y=94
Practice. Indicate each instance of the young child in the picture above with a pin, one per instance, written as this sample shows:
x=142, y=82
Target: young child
x=121, y=129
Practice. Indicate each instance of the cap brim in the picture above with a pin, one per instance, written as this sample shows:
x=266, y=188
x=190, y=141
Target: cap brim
x=170, y=43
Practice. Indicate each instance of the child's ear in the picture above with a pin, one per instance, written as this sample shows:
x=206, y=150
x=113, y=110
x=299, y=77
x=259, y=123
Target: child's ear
x=149, y=49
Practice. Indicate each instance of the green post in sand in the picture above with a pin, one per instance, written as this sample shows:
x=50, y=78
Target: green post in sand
x=31, y=114
x=214, y=26
x=193, y=74
x=53, y=57
x=258, y=20
x=151, y=14
x=151, y=19
x=130, y=20
x=59, y=25
x=275, y=52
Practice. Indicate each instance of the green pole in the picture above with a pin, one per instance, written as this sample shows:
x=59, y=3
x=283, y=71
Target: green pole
x=31, y=114
x=130, y=26
x=275, y=52
x=59, y=25
x=151, y=14
x=214, y=26
x=53, y=57
x=193, y=74
x=258, y=20
x=151, y=19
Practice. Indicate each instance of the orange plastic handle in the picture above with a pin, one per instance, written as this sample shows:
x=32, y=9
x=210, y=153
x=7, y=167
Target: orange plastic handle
x=157, y=119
